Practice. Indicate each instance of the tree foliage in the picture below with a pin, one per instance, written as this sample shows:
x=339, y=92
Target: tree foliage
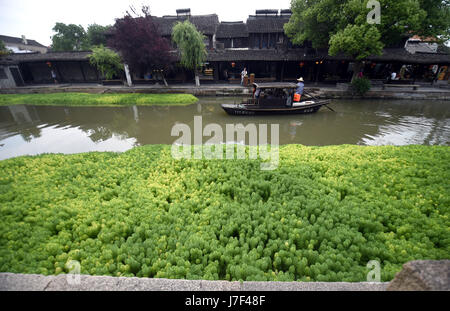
x=106, y=61
x=140, y=43
x=3, y=49
x=190, y=43
x=96, y=35
x=342, y=25
x=75, y=38
x=437, y=21
x=359, y=41
x=69, y=37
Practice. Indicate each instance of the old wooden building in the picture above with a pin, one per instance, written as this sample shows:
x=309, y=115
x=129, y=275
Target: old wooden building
x=69, y=67
x=258, y=44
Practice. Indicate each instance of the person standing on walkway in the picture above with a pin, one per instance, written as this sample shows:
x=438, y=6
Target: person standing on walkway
x=243, y=74
x=53, y=73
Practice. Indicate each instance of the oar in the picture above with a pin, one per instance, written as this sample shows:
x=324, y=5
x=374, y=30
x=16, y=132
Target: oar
x=307, y=93
x=326, y=105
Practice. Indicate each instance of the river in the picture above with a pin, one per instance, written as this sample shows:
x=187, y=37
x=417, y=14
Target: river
x=30, y=130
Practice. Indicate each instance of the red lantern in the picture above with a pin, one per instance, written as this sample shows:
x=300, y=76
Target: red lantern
x=302, y=64
x=233, y=64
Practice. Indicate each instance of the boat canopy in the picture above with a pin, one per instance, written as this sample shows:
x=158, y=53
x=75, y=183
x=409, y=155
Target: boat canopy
x=275, y=85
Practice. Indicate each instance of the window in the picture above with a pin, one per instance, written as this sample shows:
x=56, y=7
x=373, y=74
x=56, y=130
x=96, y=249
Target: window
x=256, y=40
x=272, y=40
x=227, y=43
x=206, y=41
x=265, y=42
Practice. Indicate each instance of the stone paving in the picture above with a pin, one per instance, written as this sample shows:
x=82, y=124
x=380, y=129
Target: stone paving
x=425, y=92
x=63, y=282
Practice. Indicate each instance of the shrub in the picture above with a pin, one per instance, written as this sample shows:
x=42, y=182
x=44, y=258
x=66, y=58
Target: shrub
x=361, y=85
x=106, y=61
x=3, y=49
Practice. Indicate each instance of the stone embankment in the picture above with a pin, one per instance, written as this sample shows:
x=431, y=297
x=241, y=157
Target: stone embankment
x=416, y=275
x=328, y=92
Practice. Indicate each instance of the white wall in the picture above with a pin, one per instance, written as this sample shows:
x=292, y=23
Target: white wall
x=9, y=81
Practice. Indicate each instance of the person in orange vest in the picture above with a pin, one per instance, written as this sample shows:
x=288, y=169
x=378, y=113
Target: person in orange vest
x=299, y=91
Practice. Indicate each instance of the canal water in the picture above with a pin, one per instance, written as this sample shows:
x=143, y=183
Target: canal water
x=30, y=130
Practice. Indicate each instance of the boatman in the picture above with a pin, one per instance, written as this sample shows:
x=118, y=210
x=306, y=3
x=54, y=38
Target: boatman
x=299, y=91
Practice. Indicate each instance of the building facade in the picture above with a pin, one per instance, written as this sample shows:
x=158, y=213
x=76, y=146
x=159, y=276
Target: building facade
x=258, y=44
x=23, y=45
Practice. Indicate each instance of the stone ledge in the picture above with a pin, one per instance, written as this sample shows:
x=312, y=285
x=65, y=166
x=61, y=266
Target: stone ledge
x=230, y=90
x=35, y=282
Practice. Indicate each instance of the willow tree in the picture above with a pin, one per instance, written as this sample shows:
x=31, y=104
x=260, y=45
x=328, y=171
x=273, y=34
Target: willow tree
x=106, y=61
x=349, y=26
x=191, y=46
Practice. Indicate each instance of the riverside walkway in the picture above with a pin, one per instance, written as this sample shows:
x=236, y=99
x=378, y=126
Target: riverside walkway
x=321, y=91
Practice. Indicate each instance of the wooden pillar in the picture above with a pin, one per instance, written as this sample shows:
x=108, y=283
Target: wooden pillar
x=318, y=73
x=216, y=71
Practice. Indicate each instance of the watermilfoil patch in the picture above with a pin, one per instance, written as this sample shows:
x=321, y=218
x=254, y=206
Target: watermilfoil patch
x=322, y=215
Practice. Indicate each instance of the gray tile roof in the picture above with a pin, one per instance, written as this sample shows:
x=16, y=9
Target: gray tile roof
x=206, y=24
x=15, y=40
x=401, y=55
x=262, y=24
x=232, y=30
x=261, y=55
x=389, y=55
x=52, y=56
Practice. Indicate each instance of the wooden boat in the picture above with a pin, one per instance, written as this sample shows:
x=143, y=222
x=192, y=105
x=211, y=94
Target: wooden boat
x=275, y=98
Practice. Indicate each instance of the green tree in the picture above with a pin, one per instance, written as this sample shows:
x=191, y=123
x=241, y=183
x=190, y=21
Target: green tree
x=69, y=37
x=106, y=61
x=342, y=26
x=190, y=43
x=437, y=21
x=3, y=49
x=96, y=35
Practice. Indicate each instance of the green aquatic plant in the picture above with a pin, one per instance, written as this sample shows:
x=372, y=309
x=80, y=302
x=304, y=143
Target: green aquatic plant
x=87, y=99
x=320, y=216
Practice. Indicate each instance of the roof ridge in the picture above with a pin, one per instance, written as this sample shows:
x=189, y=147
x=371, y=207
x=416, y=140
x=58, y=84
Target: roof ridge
x=186, y=16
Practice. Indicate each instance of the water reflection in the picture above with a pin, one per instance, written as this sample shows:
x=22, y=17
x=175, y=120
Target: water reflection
x=411, y=130
x=38, y=129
